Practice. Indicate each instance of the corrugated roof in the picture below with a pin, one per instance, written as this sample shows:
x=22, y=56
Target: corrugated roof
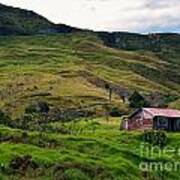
x=171, y=113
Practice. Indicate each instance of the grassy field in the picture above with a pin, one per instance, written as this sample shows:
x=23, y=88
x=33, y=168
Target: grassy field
x=69, y=72
x=92, y=149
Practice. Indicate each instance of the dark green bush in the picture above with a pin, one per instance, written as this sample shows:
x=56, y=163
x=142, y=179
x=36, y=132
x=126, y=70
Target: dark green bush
x=137, y=100
x=115, y=112
x=4, y=118
x=37, y=107
x=158, y=138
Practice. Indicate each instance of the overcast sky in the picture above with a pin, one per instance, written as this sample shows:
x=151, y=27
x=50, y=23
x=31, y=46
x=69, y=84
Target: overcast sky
x=110, y=15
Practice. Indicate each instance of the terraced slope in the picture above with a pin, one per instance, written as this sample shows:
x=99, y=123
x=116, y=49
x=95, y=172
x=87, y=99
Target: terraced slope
x=53, y=87
x=72, y=70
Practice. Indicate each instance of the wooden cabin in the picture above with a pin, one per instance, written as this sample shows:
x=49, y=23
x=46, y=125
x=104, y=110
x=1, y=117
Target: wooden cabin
x=153, y=118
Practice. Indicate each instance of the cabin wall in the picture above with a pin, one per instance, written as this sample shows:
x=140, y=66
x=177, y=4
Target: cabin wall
x=143, y=119
x=177, y=124
x=168, y=124
x=140, y=122
x=162, y=123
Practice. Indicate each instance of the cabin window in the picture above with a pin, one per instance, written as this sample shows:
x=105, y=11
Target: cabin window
x=162, y=122
x=178, y=123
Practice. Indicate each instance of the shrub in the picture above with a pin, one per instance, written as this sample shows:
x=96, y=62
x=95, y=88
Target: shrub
x=22, y=163
x=43, y=106
x=76, y=174
x=137, y=100
x=158, y=138
x=4, y=118
x=115, y=112
x=31, y=109
x=38, y=107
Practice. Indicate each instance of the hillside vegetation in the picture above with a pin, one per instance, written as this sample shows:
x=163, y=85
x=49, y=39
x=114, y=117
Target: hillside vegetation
x=90, y=149
x=53, y=88
x=72, y=70
x=16, y=21
x=64, y=91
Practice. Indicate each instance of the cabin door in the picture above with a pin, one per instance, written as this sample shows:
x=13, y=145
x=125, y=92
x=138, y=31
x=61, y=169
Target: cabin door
x=171, y=125
x=177, y=124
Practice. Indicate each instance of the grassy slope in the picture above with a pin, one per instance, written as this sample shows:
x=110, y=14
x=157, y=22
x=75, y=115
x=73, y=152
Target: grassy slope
x=67, y=71
x=57, y=67
x=15, y=21
x=100, y=151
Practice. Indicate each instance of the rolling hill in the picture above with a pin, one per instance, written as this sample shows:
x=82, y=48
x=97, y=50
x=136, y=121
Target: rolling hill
x=45, y=63
x=54, y=98
x=16, y=21
x=72, y=70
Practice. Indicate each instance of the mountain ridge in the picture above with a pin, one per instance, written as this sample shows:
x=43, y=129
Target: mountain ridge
x=17, y=21
x=57, y=26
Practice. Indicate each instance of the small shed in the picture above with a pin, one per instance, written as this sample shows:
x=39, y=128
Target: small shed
x=153, y=118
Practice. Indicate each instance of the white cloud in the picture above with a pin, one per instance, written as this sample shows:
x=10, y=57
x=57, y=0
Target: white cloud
x=112, y=15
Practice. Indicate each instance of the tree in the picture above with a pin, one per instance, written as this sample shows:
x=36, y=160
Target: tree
x=137, y=100
x=4, y=118
x=106, y=107
x=109, y=88
x=115, y=112
x=43, y=106
x=38, y=107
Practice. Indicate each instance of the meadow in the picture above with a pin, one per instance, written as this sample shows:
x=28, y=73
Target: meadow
x=90, y=149
x=68, y=73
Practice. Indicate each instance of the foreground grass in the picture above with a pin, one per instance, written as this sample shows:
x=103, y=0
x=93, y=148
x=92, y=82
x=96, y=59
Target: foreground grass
x=98, y=151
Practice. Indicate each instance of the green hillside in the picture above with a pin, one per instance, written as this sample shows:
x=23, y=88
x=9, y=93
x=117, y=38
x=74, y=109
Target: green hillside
x=91, y=149
x=16, y=21
x=165, y=45
x=57, y=120
x=72, y=70
x=68, y=73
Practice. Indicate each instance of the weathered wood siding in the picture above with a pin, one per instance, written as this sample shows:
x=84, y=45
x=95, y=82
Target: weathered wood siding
x=140, y=121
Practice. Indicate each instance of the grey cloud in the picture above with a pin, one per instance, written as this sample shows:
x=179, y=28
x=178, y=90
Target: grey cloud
x=154, y=4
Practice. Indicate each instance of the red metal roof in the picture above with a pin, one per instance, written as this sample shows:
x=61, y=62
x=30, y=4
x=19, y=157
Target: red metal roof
x=171, y=113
